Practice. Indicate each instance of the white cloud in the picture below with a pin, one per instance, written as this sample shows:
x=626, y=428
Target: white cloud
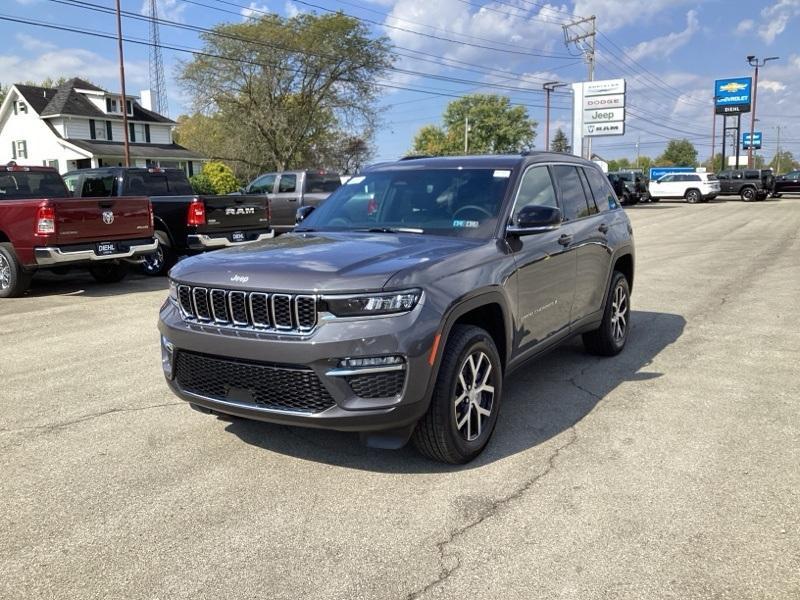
x=31, y=43
x=169, y=10
x=71, y=62
x=254, y=10
x=775, y=18
x=745, y=26
x=614, y=14
x=771, y=86
x=291, y=9
x=667, y=44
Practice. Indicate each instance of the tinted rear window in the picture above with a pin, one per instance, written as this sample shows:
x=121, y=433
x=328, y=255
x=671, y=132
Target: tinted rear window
x=573, y=197
x=322, y=184
x=98, y=186
x=33, y=184
x=163, y=183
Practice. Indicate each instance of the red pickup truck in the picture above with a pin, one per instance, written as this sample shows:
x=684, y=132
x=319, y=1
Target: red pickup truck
x=42, y=227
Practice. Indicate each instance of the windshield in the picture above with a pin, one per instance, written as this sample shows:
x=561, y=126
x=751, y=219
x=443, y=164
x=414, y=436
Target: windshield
x=456, y=202
x=32, y=184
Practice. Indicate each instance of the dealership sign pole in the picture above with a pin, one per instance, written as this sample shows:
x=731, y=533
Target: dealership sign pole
x=598, y=110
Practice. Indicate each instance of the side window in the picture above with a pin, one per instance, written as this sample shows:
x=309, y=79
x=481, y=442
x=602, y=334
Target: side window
x=693, y=178
x=574, y=203
x=536, y=189
x=287, y=183
x=723, y=176
x=262, y=185
x=736, y=175
x=98, y=186
x=667, y=179
x=592, y=206
x=602, y=192
x=71, y=182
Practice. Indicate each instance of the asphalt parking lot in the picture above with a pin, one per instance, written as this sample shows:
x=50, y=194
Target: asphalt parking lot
x=671, y=471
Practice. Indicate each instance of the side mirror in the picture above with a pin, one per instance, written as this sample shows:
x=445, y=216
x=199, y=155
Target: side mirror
x=302, y=213
x=536, y=219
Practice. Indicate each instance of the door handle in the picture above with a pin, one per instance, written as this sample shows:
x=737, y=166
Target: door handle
x=603, y=228
x=292, y=199
x=565, y=240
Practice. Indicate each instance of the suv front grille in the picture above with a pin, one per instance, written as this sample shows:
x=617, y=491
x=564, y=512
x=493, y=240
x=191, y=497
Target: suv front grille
x=266, y=385
x=256, y=310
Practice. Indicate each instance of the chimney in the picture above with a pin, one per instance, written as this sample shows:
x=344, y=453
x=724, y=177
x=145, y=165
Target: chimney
x=146, y=100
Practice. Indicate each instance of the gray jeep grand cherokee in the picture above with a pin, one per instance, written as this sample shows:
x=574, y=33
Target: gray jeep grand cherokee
x=397, y=308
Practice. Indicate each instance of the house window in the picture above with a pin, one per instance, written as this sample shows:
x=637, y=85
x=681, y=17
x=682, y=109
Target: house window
x=111, y=105
x=20, y=108
x=50, y=163
x=19, y=149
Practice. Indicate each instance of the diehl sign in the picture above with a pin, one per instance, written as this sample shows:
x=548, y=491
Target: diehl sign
x=733, y=96
x=603, y=115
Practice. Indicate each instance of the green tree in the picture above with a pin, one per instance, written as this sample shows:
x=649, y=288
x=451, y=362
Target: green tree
x=215, y=178
x=679, y=153
x=3, y=92
x=495, y=126
x=278, y=93
x=782, y=162
x=644, y=163
x=560, y=142
x=714, y=165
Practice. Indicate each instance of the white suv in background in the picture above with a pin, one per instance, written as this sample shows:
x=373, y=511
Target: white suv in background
x=694, y=187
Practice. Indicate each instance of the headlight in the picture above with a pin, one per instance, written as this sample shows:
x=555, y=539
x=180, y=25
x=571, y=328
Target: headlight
x=173, y=291
x=373, y=304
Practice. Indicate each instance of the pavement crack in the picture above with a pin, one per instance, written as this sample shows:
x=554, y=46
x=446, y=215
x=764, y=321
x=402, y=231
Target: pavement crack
x=445, y=557
x=111, y=411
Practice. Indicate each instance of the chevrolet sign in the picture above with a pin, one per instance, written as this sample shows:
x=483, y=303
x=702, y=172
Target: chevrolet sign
x=732, y=96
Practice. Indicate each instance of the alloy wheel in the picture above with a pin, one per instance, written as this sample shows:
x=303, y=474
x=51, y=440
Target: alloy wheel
x=5, y=273
x=153, y=263
x=474, y=397
x=619, y=314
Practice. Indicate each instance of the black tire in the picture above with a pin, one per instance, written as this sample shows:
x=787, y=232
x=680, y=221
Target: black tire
x=775, y=195
x=604, y=340
x=14, y=281
x=693, y=196
x=109, y=272
x=748, y=194
x=159, y=262
x=652, y=199
x=437, y=435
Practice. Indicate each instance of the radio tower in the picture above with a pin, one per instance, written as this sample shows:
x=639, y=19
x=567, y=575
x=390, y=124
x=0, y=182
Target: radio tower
x=158, y=87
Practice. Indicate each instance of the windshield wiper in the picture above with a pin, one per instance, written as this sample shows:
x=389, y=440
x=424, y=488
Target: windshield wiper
x=392, y=230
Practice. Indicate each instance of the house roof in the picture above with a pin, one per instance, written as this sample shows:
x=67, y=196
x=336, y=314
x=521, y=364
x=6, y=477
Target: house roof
x=64, y=100
x=102, y=148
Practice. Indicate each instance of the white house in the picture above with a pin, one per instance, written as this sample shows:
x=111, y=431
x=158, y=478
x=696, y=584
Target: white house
x=78, y=126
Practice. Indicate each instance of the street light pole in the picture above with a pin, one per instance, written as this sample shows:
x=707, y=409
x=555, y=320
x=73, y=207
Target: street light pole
x=549, y=87
x=756, y=63
x=124, y=101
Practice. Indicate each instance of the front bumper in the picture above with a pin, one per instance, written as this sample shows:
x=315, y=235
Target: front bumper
x=52, y=255
x=318, y=352
x=200, y=241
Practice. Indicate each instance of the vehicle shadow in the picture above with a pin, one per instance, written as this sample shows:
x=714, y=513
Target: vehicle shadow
x=541, y=400
x=80, y=283
x=650, y=206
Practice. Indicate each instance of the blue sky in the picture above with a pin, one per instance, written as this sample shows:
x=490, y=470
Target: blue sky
x=670, y=51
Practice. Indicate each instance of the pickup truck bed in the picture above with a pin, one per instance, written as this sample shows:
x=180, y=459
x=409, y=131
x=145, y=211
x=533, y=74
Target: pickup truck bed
x=42, y=227
x=185, y=222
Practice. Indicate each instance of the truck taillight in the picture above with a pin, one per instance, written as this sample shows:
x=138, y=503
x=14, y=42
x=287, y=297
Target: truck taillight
x=45, y=220
x=197, y=213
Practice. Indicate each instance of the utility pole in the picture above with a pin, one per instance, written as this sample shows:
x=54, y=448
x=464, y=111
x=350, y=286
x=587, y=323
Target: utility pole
x=714, y=132
x=588, y=50
x=638, y=154
x=756, y=63
x=549, y=87
x=778, y=161
x=126, y=144
x=466, y=134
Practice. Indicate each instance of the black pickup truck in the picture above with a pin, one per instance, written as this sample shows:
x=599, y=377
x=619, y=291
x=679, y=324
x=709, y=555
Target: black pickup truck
x=185, y=222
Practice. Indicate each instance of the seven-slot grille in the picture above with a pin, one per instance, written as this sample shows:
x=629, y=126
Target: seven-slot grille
x=258, y=310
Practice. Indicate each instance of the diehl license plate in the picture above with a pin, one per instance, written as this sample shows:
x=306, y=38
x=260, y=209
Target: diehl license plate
x=237, y=236
x=106, y=248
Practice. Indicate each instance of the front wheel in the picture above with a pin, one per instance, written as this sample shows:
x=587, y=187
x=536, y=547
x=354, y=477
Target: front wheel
x=13, y=280
x=466, y=399
x=609, y=339
x=109, y=272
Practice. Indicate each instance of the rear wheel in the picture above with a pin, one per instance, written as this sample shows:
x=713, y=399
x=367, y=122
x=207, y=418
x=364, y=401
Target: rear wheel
x=748, y=194
x=13, y=280
x=160, y=261
x=693, y=196
x=109, y=272
x=466, y=399
x=609, y=339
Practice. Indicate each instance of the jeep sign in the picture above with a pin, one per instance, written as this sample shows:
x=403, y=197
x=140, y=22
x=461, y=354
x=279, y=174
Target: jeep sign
x=603, y=115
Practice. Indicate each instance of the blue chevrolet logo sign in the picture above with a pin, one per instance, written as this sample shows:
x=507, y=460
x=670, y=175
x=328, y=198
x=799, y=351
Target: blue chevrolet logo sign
x=733, y=95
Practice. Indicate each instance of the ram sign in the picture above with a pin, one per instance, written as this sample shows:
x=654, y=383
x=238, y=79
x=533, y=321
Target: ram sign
x=733, y=96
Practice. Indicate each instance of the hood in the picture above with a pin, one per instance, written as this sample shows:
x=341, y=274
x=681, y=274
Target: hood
x=318, y=262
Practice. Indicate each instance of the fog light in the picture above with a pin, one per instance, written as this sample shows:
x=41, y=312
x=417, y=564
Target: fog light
x=167, y=357
x=372, y=361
